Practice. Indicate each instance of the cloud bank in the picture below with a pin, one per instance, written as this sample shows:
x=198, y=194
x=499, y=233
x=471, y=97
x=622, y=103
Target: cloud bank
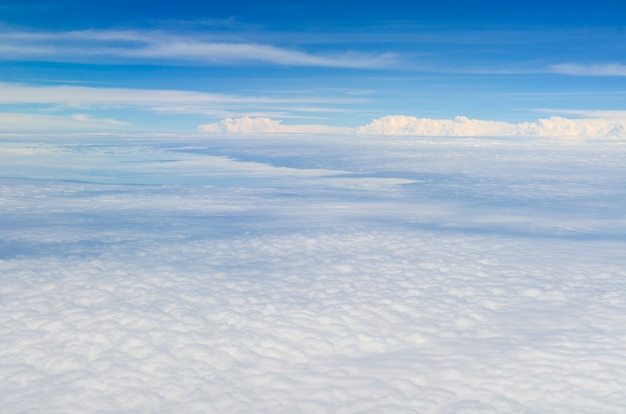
x=459, y=126
x=248, y=125
x=583, y=124
x=554, y=126
x=410, y=125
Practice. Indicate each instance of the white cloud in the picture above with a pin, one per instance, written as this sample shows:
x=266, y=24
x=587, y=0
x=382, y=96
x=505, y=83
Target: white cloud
x=556, y=126
x=593, y=124
x=220, y=53
x=40, y=122
x=610, y=69
x=470, y=291
x=14, y=93
x=459, y=126
x=462, y=126
x=247, y=125
x=156, y=100
x=146, y=46
x=587, y=113
x=90, y=119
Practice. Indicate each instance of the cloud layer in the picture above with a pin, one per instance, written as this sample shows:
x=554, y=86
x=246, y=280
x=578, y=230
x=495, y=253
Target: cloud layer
x=222, y=276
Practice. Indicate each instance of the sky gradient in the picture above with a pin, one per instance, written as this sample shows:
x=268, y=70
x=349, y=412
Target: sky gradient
x=311, y=67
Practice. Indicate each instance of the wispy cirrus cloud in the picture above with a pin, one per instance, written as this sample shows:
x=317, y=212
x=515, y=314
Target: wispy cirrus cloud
x=156, y=100
x=93, y=120
x=12, y=121
x=124, y=46
x=574, y=69
x=586, y=113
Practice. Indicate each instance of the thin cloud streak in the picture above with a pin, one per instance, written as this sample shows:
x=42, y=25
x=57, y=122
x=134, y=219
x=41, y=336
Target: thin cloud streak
x=586, y=113
x=156, y=100
x=113, y=46
x=20, y=122
x=610, y=69
x=91, y=119
x=224, y=49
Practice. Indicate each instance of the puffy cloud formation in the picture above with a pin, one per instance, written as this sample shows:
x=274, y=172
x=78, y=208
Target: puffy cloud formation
x=557, y=126
x=554, y=126
x=410, y=125
x=460, y=126
x=247, y=125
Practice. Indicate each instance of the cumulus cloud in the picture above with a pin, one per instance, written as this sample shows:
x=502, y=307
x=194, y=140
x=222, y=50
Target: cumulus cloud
x=459, y=126
x=248, y=125
x=554, y=126
x=410, y=125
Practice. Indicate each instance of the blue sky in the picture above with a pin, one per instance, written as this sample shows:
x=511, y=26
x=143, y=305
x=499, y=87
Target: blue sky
x=137, y=65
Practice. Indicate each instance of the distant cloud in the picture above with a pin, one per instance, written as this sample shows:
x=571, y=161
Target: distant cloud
x=586, y=113
x=460, y=126
x=611, y=69
x=91, y=119
x=119, y=46
x=410, y=125
x=10, y=121
x=247, y=125
x=156, y=100
x=554, y=126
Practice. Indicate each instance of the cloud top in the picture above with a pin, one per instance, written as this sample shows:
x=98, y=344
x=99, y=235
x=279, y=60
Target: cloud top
x=554, y=126
x=410, y=125
x=460, y=126
x=248, y=125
